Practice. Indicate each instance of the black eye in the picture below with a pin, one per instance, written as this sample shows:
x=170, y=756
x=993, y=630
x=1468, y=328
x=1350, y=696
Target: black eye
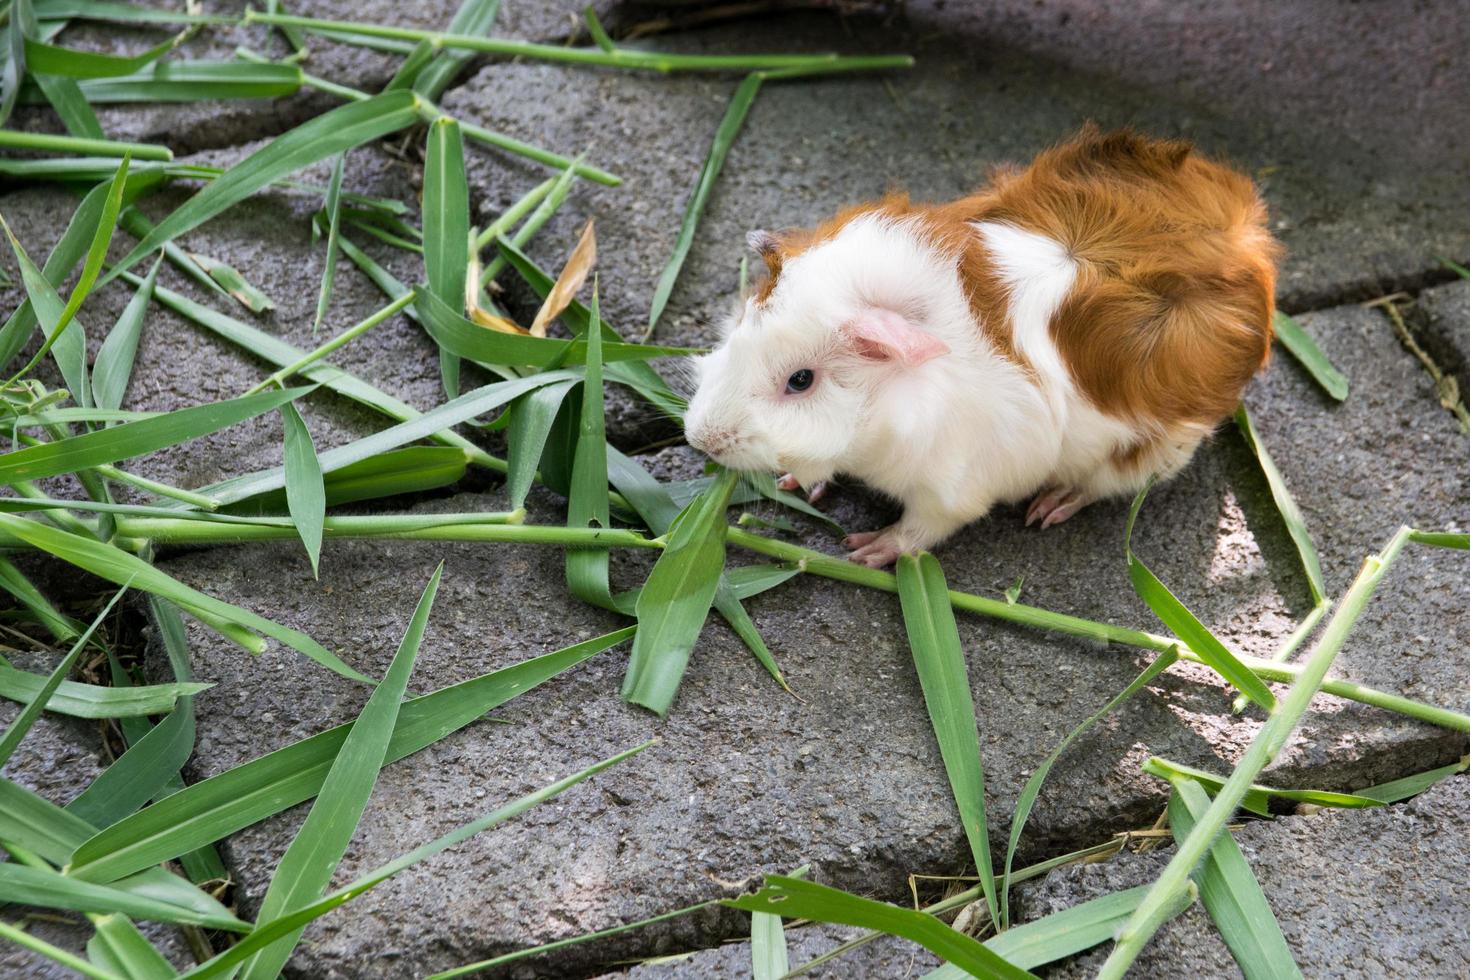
x=800, y=380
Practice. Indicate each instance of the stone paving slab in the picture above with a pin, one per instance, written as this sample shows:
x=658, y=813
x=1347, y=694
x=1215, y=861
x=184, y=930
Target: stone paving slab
x=1354, y=208
x=887, y=958
x=748, y=780
x=1358, y=893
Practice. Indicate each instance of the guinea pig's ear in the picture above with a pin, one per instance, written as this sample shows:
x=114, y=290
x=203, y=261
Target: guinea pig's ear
x=883, y=335
x=768, y=246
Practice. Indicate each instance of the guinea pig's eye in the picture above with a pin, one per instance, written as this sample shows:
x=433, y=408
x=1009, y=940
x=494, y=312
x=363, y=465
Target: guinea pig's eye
x=800, y=381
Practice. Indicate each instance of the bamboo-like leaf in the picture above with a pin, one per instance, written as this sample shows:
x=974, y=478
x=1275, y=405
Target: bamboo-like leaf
x=305, y=494
x=14, y=70
x=66, y=340
x=530, y=424
x=446, y=230
x=768, y=959
x=219, y=806
x=21, y=139
x=66, y=97
x=49, y=890
x=192, y=81
x=587, y=505
x=725, y=135
x=1302, y=347
x=792, y=898
x=1291, y=514
x=467, y=339
x=330, y=133
x=568, y=283
x=50, y=59
x=23, y=591
x=233, y=283
x=472, y=17
x=334, y=236
x=114, y=365
x=1231, y=894
x=1257, y=798
x=399, y=471
x=408, y=71
x=28, y=715
x=267, y=932
x=117, y=945
x=1186, y=626
x=116, y=565
x=137, y=438
x=92, y=701
x=310, y=860
x=939, y=659
x=1029, y=792
x=1402, y=789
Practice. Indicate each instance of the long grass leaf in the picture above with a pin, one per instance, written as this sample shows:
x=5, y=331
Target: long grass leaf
x=446, y=229
x=310, y=860
x=793, y=898
x=235, y=799
x=116, y=565
x=1232, y=895
x=934, y=640
x=306, y=496
x=1029, y=792
x=1257, y=798
x=334, y=233
x=28, y=715
x=56, y=954
x=49, y=890
x=1291, y=514
x=50, y=59
x=137, y=438
x=1186, y=626
x=65, y=340
x=14, y=70
x=114, y=365
x=725, y=135
x=1302, y=347
x=531, y=419
x=228, y=280
x=330, y=133
x=192, y=81
x=1401, y=789
x=675, y=601
x=117, y=945
x=587, y=506
x=80, y=700
x=569, y=282
x=472, y=17
x=66, y=97
x=266, y=932
x=24, y=591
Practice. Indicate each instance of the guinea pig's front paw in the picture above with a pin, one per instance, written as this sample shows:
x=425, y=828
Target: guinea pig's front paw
x=814, y=492
x=876, y=549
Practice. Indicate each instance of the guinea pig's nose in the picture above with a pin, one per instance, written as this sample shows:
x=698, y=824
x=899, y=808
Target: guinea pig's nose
x=711, y=442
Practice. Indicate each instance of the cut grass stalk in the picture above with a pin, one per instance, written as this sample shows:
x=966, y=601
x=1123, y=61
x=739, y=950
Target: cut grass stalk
x=12, y=139
x=617, y=58
x=1301, y=345
x=1286, y=506
x=341, y=340
x=1172, y=884
x=1257, y=798
x=333, y=208
x=446, y=198
x=417, y=527
x=515, y=213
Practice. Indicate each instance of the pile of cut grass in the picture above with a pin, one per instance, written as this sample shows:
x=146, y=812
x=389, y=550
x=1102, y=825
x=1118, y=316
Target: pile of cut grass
x=139, y=844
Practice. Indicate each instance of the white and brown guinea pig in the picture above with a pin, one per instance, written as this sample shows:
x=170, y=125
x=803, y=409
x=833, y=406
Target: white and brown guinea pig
x=1067, y=332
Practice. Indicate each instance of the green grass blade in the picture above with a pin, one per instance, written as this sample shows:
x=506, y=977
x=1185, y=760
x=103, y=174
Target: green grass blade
x=23, y=591
x=1232, y=895
x=28, y=715
x=65, y=340
x=795, y=899
x=80, y=700
x=192, y=81
x=307, y=867
x=306, y=496
x=1302, y=347
x=939, y=659
x=1184, y=625
x=675, y=600
x=1257, y=797
x=408, y=71
x=137, y=438
x=22, y=22
x=114, y=365
x=1402, y=789
x=66, y=97
x=235, y=799
x=728, y=605
x=468, y=339
x=228, y=280
x=15, y=139
x=50, y=59
x=399, y=471
x=725, y=135
x=115, y=565
x=446, y=229
x=328, y=134
x=1029, y=792
x=587, y=505
x=334, y=234
x=117, y=945
x=549, y=205
x=1291, y=514
x=530, y=424
x=47, y=889
x=472, y=17
x=266, y=932
x=768, y=959
x=467, y=406
x=55, y=953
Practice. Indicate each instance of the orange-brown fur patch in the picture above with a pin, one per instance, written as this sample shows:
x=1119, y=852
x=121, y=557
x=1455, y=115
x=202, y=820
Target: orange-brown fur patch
x=1171, y=312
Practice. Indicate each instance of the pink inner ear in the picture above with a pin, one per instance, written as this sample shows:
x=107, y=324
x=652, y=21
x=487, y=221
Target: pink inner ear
x=883, y=335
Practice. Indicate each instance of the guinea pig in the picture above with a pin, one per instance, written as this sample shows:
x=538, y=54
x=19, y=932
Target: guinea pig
x=1066, y=333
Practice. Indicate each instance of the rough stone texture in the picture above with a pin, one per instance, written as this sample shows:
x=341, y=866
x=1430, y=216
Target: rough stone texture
x=887, y=958
x=1358, y=893
x=1445, y=332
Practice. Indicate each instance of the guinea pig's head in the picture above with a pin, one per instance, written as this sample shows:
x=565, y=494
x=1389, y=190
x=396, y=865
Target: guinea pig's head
x=836, y=327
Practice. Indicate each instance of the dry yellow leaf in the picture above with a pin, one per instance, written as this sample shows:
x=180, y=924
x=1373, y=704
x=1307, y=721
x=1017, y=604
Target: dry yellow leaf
x=485, y=318
x=572, y=276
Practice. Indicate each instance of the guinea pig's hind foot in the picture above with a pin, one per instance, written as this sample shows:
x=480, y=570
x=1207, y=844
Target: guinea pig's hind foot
x=876, y=549
x=1056, y=505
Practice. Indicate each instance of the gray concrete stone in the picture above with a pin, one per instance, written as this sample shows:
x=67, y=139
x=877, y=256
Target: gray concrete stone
x=887, y=958
x=1358, y=893
x=1443, y=328
x=1356, y=209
